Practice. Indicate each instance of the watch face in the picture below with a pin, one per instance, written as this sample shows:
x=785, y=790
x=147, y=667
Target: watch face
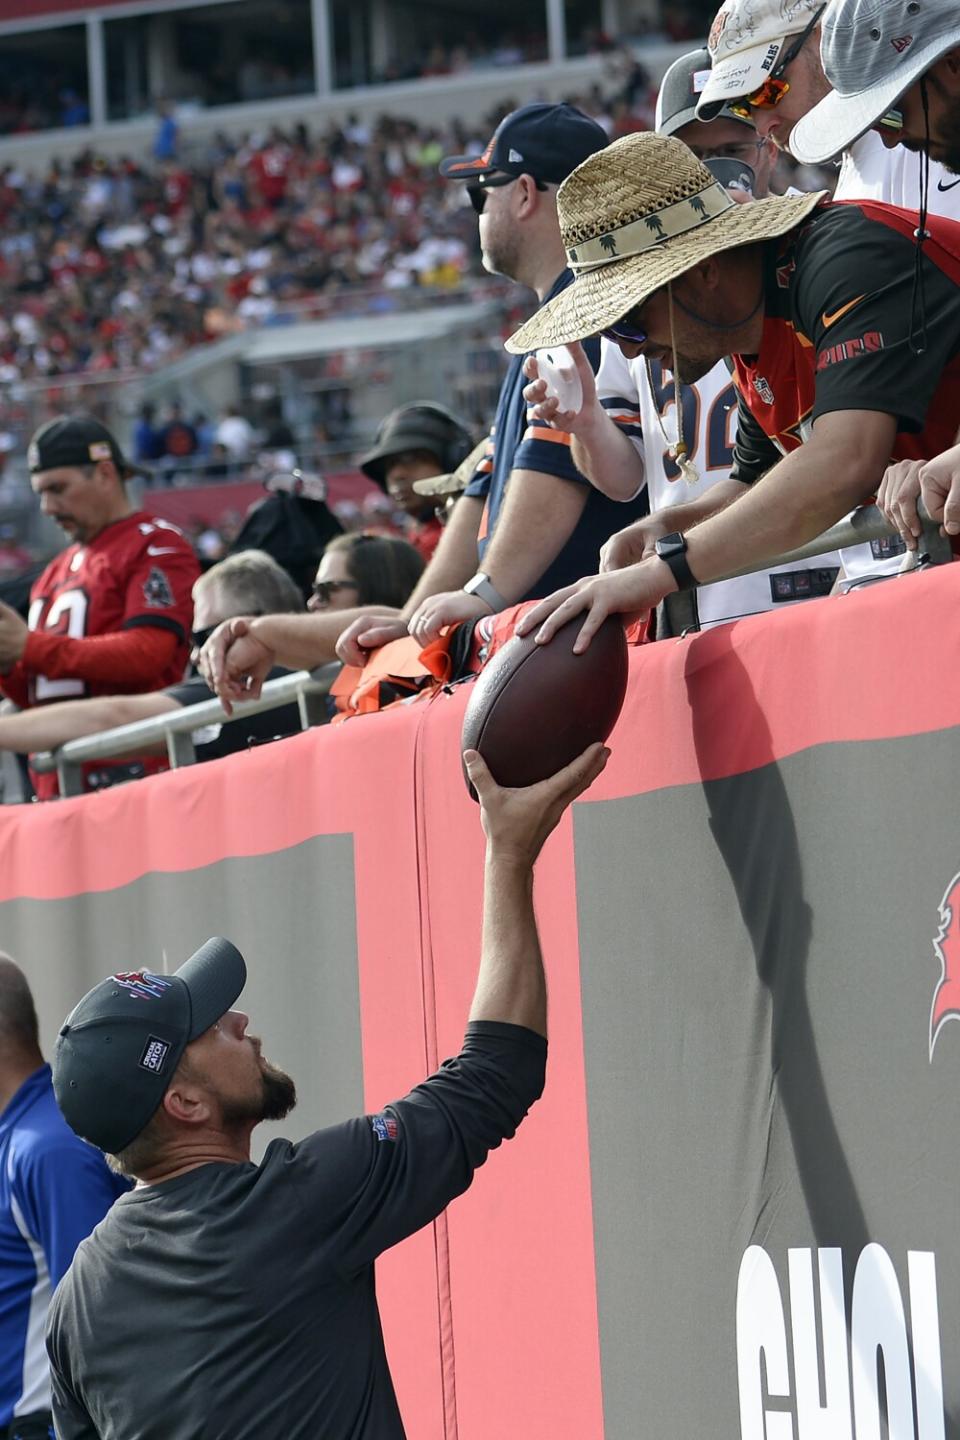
x=673, y=544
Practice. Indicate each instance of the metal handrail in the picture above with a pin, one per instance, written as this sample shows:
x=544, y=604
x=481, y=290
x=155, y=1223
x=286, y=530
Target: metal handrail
x=863, y=525
x=310, y=688
x=858, y=528
x=307, y=688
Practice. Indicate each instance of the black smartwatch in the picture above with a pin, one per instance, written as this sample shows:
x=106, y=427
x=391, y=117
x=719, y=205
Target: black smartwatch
x=672, y=550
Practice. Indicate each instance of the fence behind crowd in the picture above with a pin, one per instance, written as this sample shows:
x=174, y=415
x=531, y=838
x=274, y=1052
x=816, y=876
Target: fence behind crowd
x=734, y=1210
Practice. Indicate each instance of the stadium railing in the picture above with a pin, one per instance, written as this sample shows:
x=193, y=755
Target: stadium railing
x=310, y=689
x=678, y=613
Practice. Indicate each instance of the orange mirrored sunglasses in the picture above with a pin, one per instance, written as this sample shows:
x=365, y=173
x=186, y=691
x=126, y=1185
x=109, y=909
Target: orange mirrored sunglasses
x=769, y=94
x=773, y=89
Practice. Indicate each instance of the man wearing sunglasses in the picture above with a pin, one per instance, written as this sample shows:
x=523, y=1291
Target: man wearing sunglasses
x=814, y=301
x=624, y=433
x=528, y=516
x=772, y=69
x=896, y=69
x=249, y=583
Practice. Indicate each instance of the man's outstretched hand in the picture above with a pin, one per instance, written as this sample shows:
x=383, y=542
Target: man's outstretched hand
x=517, y=822
x=546, y=407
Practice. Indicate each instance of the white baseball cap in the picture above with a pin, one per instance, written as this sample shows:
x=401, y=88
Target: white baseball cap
x=872, y=52
x=747, y=39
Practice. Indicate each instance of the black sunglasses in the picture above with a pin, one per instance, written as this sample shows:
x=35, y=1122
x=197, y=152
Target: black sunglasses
x=477, y=189
x=322, y=590
x=625, y=330
x=199, y=638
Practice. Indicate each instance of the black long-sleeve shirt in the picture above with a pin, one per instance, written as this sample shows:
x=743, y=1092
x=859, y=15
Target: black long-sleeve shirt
x=238, y=1300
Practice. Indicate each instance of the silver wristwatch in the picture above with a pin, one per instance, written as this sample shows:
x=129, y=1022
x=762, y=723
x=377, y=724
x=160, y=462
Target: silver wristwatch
x=480, y=585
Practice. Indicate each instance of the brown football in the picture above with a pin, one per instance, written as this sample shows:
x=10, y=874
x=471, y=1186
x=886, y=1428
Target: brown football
x=535, y=708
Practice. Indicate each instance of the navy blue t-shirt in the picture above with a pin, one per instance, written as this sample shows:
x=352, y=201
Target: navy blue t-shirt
x=518, y=441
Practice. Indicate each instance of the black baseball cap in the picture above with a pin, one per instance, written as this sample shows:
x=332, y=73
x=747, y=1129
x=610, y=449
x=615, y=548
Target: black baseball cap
x=420, y=426
x=77, y=440
x=117, y=1050
x=545, y=141
x=680, y=90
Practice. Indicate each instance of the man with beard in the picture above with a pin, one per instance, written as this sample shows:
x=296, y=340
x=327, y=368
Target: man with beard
x=111, y=613
x=835, y=368
x=232, y=1299
x=528, y=520
x=767, y=64
x=895, y=68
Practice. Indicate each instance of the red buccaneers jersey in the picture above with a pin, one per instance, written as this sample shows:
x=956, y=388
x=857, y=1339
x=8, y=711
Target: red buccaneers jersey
x=137, y=571
x=842, y=331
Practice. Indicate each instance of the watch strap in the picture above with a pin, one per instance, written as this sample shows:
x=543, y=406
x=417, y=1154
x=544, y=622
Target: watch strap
x=672, y=550
x=481, y=585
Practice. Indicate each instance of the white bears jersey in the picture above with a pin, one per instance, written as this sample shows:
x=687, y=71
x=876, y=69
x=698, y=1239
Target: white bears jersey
x=709, y=429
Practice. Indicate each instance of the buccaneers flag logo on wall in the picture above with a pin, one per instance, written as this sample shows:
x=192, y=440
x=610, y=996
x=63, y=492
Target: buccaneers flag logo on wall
x=946, y=997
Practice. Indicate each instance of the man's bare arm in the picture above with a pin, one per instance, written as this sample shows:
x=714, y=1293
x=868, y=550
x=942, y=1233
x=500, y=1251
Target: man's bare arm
x=809, y=490
x=637, y=541
x=510, y=983
x=453, y=562
x=47, y=726
x=799, y=498
x=539, y=515
x=608, y=458
x=455, y=558
x=599, y=447
x=302, y=642
x=241, y=652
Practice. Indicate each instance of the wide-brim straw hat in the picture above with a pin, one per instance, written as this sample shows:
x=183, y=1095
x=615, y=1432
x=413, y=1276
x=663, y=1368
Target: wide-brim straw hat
x=635, y=216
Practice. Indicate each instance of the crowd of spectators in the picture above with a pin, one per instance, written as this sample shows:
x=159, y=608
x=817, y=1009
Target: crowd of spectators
x=44, y=83
x=533, y=507
x=125, y=264
x=113, y=253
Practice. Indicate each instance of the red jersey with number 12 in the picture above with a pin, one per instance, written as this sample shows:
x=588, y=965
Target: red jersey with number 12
x=137, y=571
